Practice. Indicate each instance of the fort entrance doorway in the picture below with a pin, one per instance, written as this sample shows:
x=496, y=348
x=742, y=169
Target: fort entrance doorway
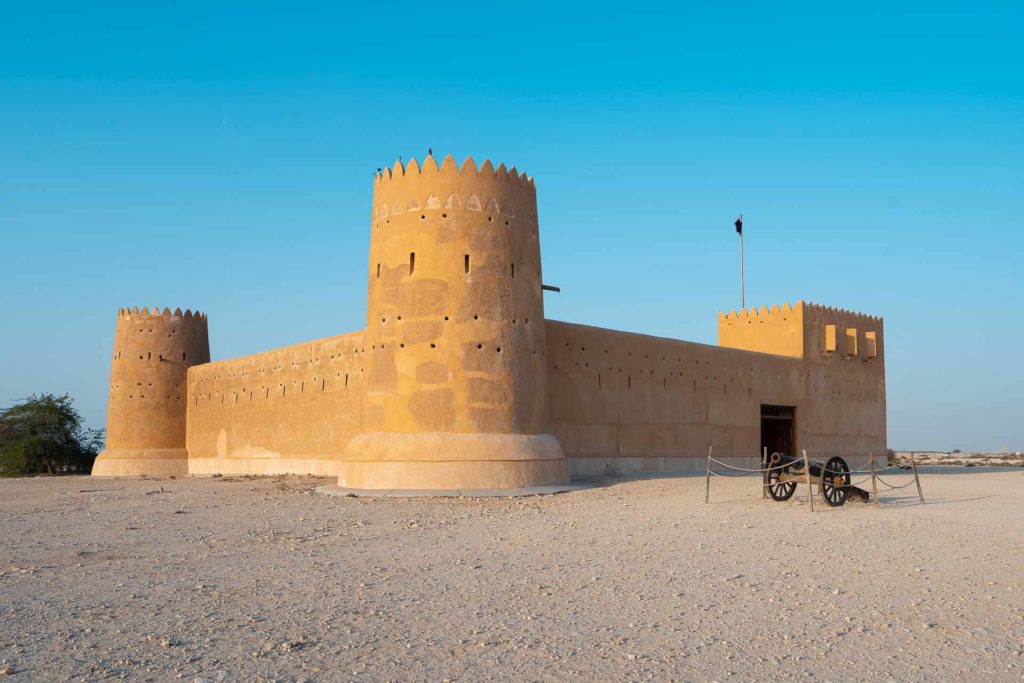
x=778, y=429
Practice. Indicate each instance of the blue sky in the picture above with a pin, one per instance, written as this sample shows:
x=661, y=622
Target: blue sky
x=220, y=157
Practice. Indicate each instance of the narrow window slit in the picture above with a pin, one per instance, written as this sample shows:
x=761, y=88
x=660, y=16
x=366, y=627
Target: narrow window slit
x=412, y=261
x=466, y=261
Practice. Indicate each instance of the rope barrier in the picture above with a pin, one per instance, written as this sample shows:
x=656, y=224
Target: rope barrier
x=727, y=476
x=744, y=469
x=885, y=483
x=867, y=470
x=789, y=465
x=806, y=476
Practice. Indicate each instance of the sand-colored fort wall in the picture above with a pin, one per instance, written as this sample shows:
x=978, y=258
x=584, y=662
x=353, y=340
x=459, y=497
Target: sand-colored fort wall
x=459, y=382
x=292, y=410
x=632, y=402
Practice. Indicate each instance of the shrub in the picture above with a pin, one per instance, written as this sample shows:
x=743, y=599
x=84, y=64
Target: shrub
x=44, y=435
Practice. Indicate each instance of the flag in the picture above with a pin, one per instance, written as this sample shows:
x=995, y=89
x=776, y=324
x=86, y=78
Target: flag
x=739, y=225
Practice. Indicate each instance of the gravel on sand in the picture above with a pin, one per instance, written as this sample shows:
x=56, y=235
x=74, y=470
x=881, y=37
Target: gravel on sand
x=261, y=579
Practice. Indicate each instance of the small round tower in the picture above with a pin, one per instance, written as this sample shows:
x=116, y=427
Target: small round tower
x=146, y=412
x=455, y=372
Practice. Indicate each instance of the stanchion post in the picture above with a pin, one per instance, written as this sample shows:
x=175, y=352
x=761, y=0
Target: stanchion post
x=874, y=484
x=764, y=472
x=707, y=478
x=913, y=464
x=810, y=487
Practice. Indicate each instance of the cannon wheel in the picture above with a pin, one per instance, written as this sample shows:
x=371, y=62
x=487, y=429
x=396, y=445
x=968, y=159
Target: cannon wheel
x=835, y=468
x=780, y=490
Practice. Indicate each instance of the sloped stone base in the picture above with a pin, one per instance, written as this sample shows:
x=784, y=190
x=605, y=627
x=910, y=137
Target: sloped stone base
x=445, y=461
x=135, y=463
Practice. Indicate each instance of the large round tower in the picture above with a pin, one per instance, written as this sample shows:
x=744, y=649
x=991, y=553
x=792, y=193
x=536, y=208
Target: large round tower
x=455, y=373
x=146, y=413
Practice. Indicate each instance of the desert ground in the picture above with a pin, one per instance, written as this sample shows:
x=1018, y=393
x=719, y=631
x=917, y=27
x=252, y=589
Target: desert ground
x=262, y=579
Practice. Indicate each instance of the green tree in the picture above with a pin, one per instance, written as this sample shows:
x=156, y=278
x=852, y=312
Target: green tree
x=44, y=435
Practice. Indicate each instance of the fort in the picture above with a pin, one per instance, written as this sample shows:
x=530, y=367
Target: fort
x=459, y=382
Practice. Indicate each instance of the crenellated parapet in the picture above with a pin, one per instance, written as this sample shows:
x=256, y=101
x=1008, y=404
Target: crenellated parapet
x=777, y=330
x=147, y=409
x=837, y=332
x=802, y=330
x=764, y=313
x=139, y=313
x=411, y=188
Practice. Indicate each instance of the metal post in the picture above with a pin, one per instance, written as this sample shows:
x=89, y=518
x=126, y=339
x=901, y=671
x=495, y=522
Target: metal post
x=874, y=484
x=707, y=480
x=743, y=298
x=913, y=464
x=810, y=487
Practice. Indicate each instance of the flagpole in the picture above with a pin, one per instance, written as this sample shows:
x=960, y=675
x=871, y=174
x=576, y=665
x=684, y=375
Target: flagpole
x=743, y=298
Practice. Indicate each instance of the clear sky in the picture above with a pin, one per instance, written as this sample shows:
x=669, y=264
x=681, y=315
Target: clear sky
x=220, y=157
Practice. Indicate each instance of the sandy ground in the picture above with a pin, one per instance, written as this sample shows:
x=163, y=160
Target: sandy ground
x=261, y=579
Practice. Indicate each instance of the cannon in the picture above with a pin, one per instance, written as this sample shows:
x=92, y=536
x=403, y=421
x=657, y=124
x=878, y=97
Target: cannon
x=784, y=472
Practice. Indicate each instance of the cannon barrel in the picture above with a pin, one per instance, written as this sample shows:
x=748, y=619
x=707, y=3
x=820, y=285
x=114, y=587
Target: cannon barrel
x=784, y=459
x=795, y=463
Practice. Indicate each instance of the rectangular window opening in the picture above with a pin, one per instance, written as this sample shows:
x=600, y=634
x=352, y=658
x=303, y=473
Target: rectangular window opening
x=412, y=261
x=467, y=263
